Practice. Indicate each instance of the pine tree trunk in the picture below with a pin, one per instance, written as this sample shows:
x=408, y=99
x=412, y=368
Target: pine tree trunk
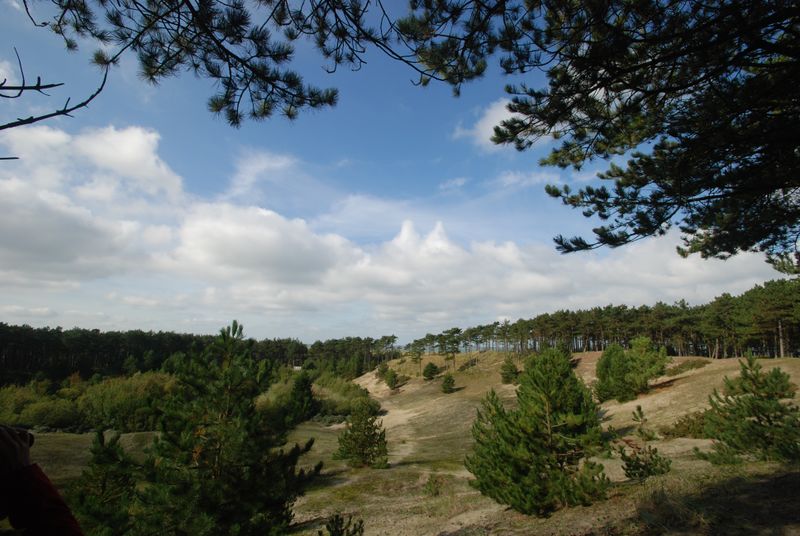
x=780, y=338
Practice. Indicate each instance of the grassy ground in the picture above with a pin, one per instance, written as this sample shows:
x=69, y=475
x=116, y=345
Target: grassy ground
x=426, y=491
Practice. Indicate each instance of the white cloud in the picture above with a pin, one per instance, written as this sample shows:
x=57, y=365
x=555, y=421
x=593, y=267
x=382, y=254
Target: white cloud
x=132, y=155
x=482, y=131
x=84, y=241
x=45, y=235
x=453, y=184
x=26, y=312
x=519, y=179
x=221, y=240
x=254, y=167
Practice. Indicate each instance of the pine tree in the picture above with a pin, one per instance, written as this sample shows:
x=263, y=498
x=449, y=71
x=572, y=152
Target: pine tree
x=509, y=371
x=301, y=405
x=363, y=442
x=640, y=460
x=391, y=378
x=448, y=383
x=218, y=466
x=533, y=457
x=338, y=525
x=749, y=416
x=102, y=497
x=430, y=371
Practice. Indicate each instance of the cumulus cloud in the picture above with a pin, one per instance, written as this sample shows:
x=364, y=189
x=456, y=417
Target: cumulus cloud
x=46, y=235
x=225, y=241
x=85, y=241
x=130, y=154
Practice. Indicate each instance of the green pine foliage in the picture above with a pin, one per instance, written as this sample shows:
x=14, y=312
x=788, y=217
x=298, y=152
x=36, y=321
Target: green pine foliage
x=430, y=371
x=103, y=495
x=623, y=375
x=302, y=405
x=754, y=415
x=689, y=425
x=381, y=371
x=534, y=457
x=391, y=378
x=338, y=525
x=640, y=460
x=218, y=465
x=363, y=442
x=448, y=384
x=509, y=371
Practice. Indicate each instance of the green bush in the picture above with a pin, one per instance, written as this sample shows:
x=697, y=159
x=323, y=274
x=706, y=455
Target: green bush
x=623, y=375
x=52, y=413
x=126, y=404
x=430, y=371
x=337, y=396
x=690, y=425
x=13, y=401
x=448, y=383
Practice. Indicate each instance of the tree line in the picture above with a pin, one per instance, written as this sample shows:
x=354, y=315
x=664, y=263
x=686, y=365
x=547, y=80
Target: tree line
x=28, y=353
x=765, y=320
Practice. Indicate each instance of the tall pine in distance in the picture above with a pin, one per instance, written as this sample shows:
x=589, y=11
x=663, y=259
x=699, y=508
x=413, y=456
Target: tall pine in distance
x=534, y=457
x=218, y=465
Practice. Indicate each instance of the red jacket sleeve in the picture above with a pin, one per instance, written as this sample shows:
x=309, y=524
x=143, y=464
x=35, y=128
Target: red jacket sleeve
x=35, y=506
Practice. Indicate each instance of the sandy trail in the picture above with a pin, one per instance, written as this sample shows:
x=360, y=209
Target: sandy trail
x=396, y=421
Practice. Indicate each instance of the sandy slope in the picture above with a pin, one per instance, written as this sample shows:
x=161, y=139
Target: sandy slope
x=429, y=433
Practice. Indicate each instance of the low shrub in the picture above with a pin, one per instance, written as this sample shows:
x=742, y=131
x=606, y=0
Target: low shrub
x=690, y=425
x=434, y=485
x=685, y=366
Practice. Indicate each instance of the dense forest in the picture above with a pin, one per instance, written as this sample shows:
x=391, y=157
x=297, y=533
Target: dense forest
x=765, y=320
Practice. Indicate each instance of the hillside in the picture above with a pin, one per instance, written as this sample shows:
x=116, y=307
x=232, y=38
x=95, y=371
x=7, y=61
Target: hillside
x=425, y=491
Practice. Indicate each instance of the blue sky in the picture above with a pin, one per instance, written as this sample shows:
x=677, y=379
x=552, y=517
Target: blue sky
x=390, y=213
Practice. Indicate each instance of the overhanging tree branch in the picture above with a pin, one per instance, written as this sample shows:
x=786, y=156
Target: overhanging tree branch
x=66, y=110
